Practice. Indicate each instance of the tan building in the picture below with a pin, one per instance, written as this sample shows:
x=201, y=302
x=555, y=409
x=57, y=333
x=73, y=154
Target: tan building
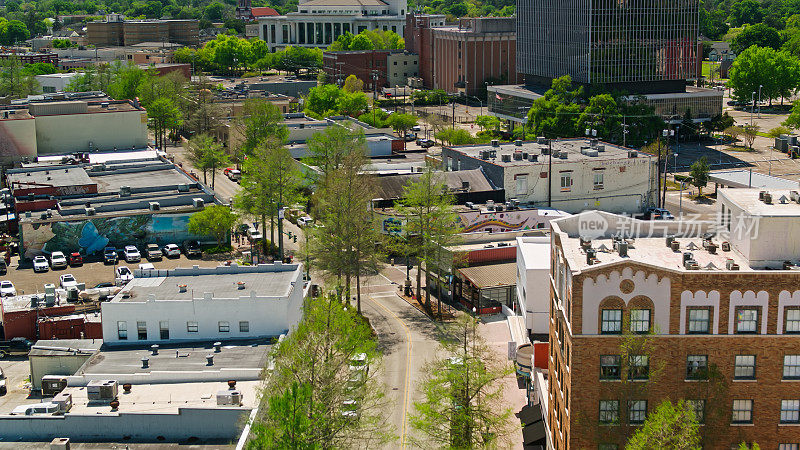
x=115, y=31
x=722, y=320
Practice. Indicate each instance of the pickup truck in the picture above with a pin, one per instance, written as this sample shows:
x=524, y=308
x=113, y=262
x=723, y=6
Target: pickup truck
x=153, y=252
x=16, y=346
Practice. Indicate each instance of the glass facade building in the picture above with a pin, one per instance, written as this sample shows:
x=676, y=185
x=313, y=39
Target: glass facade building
x=615, y=42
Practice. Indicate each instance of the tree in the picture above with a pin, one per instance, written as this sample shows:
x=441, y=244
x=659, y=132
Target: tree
x=793, y=121
x=15, y=81
x=713, y=24
x=777, y=131
x=163, y=115
x=455, y=136
x=427, y=207
x=749, y=133
x=353, y=84
x=215, y=220
x=260, y=119
x=745, y=11
x=556, y=113
x=669, y=426
x=361, y=42
x=352, y=104
x=196, y=149
x=322, y=99
x=340, y=408
x=463, y=405
x=401, y=123
x=733, y=132
x=489, y=123
x=759, y=35
x=776, y=74
x=203, y=115
x=214, y=11
x=328, y=149
x=699, y=174
x=13, y=31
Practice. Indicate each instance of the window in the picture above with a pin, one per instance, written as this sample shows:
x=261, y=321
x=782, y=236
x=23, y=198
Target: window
x=122, y=331
x=791, y=367
x=191, y=327
x=609, y=411
x=640, y=320
x=747, y=320
x=637, y=411
x=566, y=181
x=742, y=411
x=163, y=328
x=699, y=408
x=610, y=367
x=699, y=321
x=790, y=411
x=522, y=184
x=789, y=447
x=639, y=367
x=598, y=179
x=224, y=327
x=395, y=63
x=696, y=367
x=792, y=324
x=607, y=447
x=141, y=330
x=745, y=367
x=244, y=326
x=611, y=321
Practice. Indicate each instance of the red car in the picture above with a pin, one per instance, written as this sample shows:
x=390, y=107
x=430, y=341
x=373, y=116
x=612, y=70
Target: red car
x=75, y=259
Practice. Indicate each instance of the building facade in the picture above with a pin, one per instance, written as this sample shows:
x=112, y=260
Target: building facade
x=700, y=319
x=533, y=272
x=419, y=40
x=571, y=175
x=376, y=68
x=116, y=31
x=317, y=23
x=202, y=304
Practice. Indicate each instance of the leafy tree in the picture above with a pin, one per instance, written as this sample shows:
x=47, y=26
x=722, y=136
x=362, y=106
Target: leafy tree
x=375, y=39
x=322, y=99
x=672, y=426
x=163, y=115
x=40, y=69
x=127, y=80
x=215, y=11
x=353, y=84
x=15, y=81
x=699, y=173
x=779, y=130
x=793, y=121
x=61, y=43
x=289, y=419
x=743, y=446
x=463, y=405
x=197, y=150
x=490, y=123
x=352, y=104
x=214, y=220
x=759, y=35
x=455, y=136
x=749, y=133
x=713, y=24
x=401, y=123
x=328, y=149
x=295, y=59
x=13, y=31
x=777, y=72
x=375, y=117
x=361, y=42
x=260, y=120
x=602, y=115
x=745, y=12
x=733, y=132
x=202, y=114
x=556, y=113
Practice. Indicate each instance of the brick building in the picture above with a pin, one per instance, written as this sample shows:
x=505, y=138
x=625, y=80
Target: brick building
x=115, y=31
x=392, y=67
x=720, y=304
x=466, y=56
x=31, y=57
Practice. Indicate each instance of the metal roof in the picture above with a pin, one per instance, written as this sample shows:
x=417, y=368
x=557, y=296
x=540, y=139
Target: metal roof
x=393, y=186
x=491, y=276
x=748, y=178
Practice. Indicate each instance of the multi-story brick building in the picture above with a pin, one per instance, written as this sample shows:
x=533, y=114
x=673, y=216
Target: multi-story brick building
x=708, y=313
x=115, y=31
x=376, y=68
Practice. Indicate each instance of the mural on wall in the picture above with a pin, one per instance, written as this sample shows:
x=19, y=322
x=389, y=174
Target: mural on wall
x=475, y=221
x=91, y=236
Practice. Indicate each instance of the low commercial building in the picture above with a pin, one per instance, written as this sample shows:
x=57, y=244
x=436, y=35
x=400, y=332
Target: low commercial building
x=486, y=289
x=465, y=186
x=571, y=175
x=55, y=82
x=375, y=68
x=57, y=127
x=380, y=141
x=202, y=304
x=719, y=302
x=31, y=57
x=35, y=317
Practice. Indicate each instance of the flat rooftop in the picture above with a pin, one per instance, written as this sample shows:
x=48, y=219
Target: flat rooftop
x=163, y=398
x=150, y=178
x=55, y=176
x=572, y=148
x=264, y=280
x=184, y=357
x=750, y=179
x=748, y=199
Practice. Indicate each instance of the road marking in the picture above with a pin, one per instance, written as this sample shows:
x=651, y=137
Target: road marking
x=406, y=395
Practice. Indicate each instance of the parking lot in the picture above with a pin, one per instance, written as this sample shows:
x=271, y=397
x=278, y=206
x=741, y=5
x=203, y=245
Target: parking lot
x=16, y=370
x=92, y=273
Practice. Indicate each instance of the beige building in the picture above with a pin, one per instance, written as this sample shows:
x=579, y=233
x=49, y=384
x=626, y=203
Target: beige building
x=116, y=31
x=567, y=174
x=400, y=66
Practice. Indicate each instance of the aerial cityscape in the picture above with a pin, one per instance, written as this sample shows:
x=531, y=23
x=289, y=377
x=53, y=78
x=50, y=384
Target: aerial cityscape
x=394, y=224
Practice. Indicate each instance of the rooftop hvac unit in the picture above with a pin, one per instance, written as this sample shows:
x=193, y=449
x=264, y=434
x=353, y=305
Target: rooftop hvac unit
x=495, y=143
x=767, y=198
x=64, y=402
x=592, y=153
x=730, y=265
x=492, y=153
x=470, y=205
x=633, y=154
x=155, y=206
x=795, y=196
x=600, y=148
x=124, y=191
x=90, y=211
x=518, y=143
x=102, y=390
x=53, y=384
x=183, y=187
x=533, y=157
x=484, y=154
x=524, y=155
x=541, y=140
x=198, y=202
x=593, y=142
x=229, y=398
x=563, y=155
x=622, y=248
x=505, y=158
x=465, y=185
x=517, y=156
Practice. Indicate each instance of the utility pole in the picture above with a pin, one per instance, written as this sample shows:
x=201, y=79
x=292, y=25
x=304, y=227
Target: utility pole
x=280, y=232
x=453, y=99
x=549, y=173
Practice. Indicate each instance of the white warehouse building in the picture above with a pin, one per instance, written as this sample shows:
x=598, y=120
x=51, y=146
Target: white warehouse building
x=201, y=304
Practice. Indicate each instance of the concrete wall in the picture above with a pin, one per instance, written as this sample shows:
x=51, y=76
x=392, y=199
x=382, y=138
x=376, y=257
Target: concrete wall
x=203, y=423
x=54, y=365
x=267, y=316
x=17, y=139
x=105, y=130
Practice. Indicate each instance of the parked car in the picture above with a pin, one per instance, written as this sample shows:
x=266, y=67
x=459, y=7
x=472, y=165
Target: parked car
x=153, y=252
x=48, y=408
x=7, y=289
x=658, y=214
x=3, y=267
x=425, y=143
x=192, y=248
x=75, y=259
x=172, y=251
x=410, y=137
x=254, y=234
x=58, y=260
x=416, y=128
x=132, y=254
x=124, y=274
x=68, y=281
x=40, y=264
x=16, y=346
x=304, y=221
x=233, y=174
x=3, y=388
x=110, y=255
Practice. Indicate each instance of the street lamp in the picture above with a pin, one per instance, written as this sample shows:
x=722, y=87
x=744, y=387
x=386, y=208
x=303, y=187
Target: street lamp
x=752, y=106
x=759, y=100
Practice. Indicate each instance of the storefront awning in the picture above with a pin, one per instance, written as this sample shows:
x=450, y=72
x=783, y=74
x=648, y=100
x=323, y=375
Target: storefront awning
x=494, y=275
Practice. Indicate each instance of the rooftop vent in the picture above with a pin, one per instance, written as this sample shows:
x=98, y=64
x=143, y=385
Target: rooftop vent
x=90, y=211
x=533, y=157
x=124, y=191
x=541, y=140
x=591, y=256
x=726, y=246
x=495, y=143
x=155, y=206
x=730, y=265
x=795, y=196
x=492, y=154
x=518, y=156
x=198, y=202
x=465, y=185
x=505, y=158
x=767, y=198
x=633, y=154
x=563, y=155
x=600, y=148
x=518, y=143
x=622, y=248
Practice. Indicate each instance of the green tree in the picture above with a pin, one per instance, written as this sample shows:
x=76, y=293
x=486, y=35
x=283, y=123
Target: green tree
x=759, y=35
x=672, y=426
x=455, y=136
x=13, y=31
x=462, y=404
x=401, y=123
x=260, y=119
x=322, y=99
x=353, y=84
x=214, y=220
x=328, y=149
x=15, y=81
x=127, y=80
x=556, y=113
x=776, y=72
x=361, y=42
x=197, y=149
x=288, y=424
x=699, y=174
x=744, y=12
x=163, y=115
x=777, y=131
x=352, y=104
x=713, y=24
x=793, y=121
x=489, y=123
x=749, y=133
x=214, y=11
x=602, y=115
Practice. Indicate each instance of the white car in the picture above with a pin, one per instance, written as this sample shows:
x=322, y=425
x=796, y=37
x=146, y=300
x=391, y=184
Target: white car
x=68, y=281
x=40, y=264
x=172, y=251
x=132, y=254
x=7, y=289
x=58, y=260
x=124, y=274
x=304, y=221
